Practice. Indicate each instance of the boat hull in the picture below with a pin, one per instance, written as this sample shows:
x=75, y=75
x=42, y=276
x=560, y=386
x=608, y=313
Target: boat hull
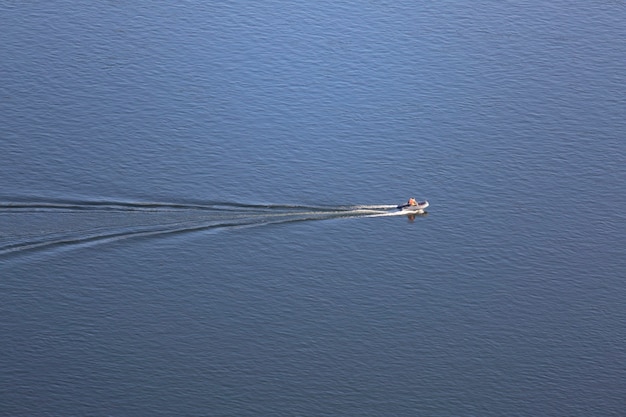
x=419, y=208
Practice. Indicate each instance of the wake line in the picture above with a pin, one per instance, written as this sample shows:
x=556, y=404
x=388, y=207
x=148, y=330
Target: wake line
x=78, y=205
x=59, y=241
x=48, y=225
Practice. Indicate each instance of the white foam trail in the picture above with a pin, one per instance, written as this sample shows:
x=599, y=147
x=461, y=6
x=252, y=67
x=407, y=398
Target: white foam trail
x=376, y=207
x=391, y=213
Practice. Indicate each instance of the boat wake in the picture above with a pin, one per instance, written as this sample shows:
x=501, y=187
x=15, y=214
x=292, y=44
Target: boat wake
x=58, y=224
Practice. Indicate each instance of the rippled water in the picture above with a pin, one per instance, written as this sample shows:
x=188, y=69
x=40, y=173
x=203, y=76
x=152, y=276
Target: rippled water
x=198, y=208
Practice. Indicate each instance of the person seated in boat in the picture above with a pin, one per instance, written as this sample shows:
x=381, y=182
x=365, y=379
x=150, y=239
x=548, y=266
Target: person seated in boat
x=412, y=202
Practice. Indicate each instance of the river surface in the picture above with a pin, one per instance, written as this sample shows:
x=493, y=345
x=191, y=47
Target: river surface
x=197, y=208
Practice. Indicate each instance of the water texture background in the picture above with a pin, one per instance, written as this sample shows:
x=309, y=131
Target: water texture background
x=191, y=199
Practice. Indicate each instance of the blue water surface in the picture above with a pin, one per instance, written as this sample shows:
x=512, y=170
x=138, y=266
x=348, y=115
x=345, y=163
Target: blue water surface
x=197, y=208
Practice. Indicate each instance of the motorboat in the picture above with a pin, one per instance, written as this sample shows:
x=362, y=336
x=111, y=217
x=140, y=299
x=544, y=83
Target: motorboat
x=416, y=208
